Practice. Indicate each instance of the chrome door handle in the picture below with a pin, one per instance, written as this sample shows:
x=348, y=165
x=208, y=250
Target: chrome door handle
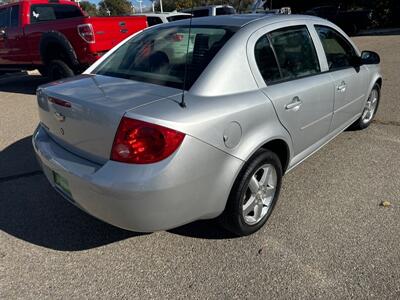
x=341, y=87
x=296, y=103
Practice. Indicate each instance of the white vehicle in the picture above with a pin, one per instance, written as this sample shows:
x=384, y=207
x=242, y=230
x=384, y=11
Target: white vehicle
x=166, y=17
x=211, y=10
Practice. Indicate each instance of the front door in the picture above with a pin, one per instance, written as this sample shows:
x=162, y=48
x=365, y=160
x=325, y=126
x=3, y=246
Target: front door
x=347, y=77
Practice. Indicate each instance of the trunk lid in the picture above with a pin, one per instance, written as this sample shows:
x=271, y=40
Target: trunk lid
x=83, y=113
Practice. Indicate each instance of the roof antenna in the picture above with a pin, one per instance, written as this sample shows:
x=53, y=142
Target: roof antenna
x=182, y=103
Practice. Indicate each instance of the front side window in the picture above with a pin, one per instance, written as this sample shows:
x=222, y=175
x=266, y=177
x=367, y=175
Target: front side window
x=295, y=52
x=50, y=12
x=14, y=21
x=4, y=17
x=266, y=61
x=339, y=52
x=159, y=55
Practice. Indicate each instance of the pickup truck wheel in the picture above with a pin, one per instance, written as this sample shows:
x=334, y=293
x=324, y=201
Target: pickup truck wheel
x=254, y=194
x=57, y=69
x=44, y=71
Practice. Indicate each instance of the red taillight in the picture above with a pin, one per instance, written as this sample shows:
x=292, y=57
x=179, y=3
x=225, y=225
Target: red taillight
x=59, y=102
x=139, y=142
x=86, y=32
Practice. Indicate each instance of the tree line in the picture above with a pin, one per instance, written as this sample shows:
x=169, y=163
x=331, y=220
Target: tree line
x=386, y=13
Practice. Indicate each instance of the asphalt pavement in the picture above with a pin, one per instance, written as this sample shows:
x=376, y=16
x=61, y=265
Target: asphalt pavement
x=329, y=236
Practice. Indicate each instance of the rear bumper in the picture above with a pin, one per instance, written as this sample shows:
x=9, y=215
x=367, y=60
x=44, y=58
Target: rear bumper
x=194, y=183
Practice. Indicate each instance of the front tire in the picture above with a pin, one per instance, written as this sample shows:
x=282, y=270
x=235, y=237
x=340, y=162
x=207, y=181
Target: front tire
x=254, y=194
x=57, y=69
x=370, y=109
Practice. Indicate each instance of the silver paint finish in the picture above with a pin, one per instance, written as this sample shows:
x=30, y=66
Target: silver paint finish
x=230, y=113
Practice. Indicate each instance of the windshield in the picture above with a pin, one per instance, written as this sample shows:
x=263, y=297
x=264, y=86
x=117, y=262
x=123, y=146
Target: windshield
x=158, y=55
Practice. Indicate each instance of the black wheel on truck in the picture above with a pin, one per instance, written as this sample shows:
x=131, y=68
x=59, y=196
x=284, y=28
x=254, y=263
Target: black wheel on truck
x=58, y=56
x=44, y=71
x=57, y=69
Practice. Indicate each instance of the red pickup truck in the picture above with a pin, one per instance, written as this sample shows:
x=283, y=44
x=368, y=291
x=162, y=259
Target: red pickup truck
x=57, y=37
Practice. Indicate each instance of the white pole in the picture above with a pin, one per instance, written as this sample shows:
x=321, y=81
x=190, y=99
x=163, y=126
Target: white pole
x=161, y=7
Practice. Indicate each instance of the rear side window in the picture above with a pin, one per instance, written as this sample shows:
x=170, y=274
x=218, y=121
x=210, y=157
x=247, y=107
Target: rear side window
x=14, y=21
x=295, y=52
x=339, y=52
x=49, y=12
x=4, y=17
x=266, y=61
x=154, y=21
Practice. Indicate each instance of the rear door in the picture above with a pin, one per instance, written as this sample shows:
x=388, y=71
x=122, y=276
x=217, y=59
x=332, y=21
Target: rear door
x=15, y=41
x=293, y=80
x=348, y=79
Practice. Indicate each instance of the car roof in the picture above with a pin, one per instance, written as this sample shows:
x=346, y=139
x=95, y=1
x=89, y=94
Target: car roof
x=242, y=20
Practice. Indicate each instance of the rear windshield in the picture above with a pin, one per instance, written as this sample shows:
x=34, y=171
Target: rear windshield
x=159, y=55
x=50, y=12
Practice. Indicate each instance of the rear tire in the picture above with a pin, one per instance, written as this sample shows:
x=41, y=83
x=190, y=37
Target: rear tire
x=369, y=110
x=252, y=200
x=57, y=69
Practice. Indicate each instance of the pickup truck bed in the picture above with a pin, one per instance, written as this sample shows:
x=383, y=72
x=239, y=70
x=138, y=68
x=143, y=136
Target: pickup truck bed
x=57, y=37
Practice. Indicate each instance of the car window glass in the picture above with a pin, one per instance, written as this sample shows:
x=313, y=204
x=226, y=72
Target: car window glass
x=177, y=18
x=153, y=21
x=200, y=13
x=295, y=52
x=266, y=60
x=14, y=22
x=49, y=12
x=338, y=51
x=159, y=55
x=224, y=11
x=4, y=17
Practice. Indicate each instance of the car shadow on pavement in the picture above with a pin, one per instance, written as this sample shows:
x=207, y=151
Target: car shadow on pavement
x=206, y=229
x=32, y=211
x=21, y=84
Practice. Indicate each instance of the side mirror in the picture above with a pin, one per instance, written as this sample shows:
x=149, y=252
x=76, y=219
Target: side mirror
x=370, y=58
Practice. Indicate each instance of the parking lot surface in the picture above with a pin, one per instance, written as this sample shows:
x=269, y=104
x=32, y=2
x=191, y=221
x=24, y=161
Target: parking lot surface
x=328, y=237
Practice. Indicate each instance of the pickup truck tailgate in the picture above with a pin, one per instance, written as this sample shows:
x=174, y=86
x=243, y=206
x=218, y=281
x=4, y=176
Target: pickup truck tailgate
x=109, y=31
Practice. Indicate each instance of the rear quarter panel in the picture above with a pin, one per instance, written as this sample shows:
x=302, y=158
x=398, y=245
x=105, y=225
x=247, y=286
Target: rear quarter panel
x=246, y=120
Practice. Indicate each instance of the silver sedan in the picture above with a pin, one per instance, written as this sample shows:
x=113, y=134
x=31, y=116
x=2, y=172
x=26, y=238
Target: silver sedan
x=180, y=123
